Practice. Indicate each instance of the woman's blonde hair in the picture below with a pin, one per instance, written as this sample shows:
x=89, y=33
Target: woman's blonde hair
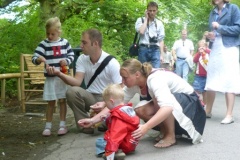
x=133, y=65
x=114, y=91
x=53, y=23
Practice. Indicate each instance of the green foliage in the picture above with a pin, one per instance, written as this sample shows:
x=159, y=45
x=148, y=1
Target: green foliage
x=114, y=18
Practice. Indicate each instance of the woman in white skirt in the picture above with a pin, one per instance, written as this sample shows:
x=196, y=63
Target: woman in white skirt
x=223, y=67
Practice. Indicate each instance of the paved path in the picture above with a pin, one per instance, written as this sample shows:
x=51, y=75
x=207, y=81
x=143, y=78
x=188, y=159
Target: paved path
x=221, y=142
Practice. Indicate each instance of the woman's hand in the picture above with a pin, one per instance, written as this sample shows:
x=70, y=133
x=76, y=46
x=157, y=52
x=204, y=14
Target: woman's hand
x=140, y=132
x=211, y=35
x=85, y=123
x=98, y=107
x=215, y=25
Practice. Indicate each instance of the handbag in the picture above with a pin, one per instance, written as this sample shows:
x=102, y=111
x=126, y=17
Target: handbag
x=133, y=49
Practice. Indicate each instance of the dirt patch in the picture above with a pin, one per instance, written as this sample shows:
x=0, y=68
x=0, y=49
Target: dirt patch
x=20, y=135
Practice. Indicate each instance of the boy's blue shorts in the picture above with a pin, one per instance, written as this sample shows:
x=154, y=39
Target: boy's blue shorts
x=199, y=83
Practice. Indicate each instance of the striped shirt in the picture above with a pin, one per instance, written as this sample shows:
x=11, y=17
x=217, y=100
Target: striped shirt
x=53, y=52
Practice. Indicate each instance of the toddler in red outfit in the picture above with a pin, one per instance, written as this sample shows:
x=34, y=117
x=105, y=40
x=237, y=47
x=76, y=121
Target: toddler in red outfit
x=201, y=59
x=121, y=122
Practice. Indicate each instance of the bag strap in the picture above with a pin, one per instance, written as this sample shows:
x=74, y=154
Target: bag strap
x=135, y=38
x=99, y=69
x=136, y=35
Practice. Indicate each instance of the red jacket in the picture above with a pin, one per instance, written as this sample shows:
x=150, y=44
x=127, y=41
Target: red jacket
x=200, y=67
x=121, y=123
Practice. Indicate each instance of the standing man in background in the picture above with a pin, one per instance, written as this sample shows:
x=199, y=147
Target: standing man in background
x=167, y=61
x=183, y=51
x=152, y=33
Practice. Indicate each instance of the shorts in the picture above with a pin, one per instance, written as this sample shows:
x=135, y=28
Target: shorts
x=199, y=83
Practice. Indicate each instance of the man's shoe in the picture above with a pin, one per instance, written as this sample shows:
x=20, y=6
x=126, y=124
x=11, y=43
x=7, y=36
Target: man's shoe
x=87, y=130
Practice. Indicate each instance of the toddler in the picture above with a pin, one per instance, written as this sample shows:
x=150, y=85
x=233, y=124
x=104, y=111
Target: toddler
x=121, y=122
x=201, y=59
x=57, y=52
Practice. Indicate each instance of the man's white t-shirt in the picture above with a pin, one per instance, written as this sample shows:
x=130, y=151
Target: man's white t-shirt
x=183, y=48
x=109, y=75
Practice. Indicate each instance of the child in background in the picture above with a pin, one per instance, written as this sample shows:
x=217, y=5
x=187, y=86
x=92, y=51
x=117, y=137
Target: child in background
x=57, y=52
x=121, y=122
x=167, y=59
x=201, y=59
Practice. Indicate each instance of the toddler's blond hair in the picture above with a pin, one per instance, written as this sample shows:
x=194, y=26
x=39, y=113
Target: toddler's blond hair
x=114, y=91
x=53, y=23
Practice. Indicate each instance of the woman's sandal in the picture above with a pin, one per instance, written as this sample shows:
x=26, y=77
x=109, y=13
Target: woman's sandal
x=164, y=144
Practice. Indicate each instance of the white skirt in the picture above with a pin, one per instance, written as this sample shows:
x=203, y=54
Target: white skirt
x=223, y=68
x=54, y=88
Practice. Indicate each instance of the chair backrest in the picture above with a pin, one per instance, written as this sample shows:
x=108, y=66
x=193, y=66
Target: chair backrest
x=32, y=84
x=35, y=72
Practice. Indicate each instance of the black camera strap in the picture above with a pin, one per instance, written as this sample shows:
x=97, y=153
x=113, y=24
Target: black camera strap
x=100, y=69
x=148, y=29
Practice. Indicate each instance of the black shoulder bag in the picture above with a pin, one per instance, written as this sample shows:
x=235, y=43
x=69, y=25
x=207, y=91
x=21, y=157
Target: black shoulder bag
x=99, y=69
x=133, y=50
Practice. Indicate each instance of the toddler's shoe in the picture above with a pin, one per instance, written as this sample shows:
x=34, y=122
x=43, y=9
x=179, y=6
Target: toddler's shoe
x=46, y=132
x=62, y=131
x=118, y=156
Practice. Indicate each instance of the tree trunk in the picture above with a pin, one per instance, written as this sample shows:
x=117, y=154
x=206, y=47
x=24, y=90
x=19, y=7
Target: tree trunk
x=48, y=8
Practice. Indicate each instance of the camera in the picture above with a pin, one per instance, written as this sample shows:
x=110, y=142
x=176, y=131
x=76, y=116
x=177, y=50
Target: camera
x=153, y=39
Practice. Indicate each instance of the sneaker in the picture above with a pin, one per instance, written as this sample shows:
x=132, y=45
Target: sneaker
x=46, y=132
x=62, y=131
x=227, y=120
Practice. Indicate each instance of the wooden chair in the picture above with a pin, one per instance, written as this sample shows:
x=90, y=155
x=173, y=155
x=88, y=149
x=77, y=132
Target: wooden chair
x=31, y=85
